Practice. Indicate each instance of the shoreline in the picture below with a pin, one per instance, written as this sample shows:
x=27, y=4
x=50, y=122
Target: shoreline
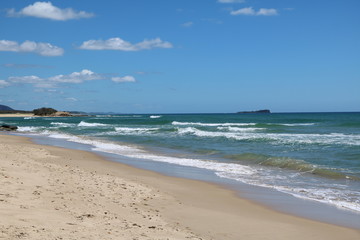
x=10, y=115
x=193, y=209
x=276, y=200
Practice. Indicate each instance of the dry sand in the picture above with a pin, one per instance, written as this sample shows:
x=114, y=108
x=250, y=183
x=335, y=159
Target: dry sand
x=55, y=193
x=16, y=115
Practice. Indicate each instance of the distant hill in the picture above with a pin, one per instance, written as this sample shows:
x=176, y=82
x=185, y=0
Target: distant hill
x=5, y=108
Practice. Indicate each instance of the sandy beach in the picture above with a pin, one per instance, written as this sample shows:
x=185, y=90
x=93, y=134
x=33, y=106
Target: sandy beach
x=17, y=115
x=56, y=193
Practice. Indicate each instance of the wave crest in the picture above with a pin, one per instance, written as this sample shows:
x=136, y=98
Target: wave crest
x=86, y=124
x=211, y=124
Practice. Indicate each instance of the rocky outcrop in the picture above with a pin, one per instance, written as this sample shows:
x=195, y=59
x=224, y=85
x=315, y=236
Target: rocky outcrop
x=6, y=127
x=258, y=111
x=44, y=111
x=61, y=114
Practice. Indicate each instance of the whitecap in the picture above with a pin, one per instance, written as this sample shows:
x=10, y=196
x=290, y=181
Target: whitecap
x=295, y=124
x=211, y=124
x=278, y=138
x=86, y=124
x=62, y=124
x=126, y=130
x=237, y=129
x=28, y=129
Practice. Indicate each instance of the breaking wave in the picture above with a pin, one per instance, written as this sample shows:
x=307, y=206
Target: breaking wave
x=210, y=124
x=86, y=124
x=283, y=138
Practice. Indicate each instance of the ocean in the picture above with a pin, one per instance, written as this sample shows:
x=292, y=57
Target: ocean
x=314, y=156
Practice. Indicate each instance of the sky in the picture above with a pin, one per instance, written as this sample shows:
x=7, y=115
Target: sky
x=180, y=56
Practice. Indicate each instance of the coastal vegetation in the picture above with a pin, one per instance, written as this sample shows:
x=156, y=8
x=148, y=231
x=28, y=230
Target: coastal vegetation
x=44, y=111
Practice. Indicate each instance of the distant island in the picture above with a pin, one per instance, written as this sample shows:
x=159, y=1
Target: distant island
x=257, y=111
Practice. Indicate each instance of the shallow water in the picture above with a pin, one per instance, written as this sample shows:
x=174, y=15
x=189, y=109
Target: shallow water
x=314, y=156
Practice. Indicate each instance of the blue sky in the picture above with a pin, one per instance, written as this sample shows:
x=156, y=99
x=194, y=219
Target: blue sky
x=180, y=56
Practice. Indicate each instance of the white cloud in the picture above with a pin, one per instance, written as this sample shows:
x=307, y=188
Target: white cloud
x=187, y=24
x=77, y=77
x=49, y=11
x=251, y=12
x=4, y=83
x=57, y=80
x=121, y=45
x=267, y=12
x=71, y=99
x=11, y=46
x=35, y=80
x=231, y=1
x=43, y=49
x=26, y=79
x=123, y=79
x=244, y=11
x=152, y=43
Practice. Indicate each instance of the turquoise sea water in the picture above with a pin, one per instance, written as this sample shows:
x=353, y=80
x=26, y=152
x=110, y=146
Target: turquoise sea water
x=308, y=155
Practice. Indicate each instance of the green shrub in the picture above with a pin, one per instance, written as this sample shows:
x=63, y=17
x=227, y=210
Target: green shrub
x=44, y=111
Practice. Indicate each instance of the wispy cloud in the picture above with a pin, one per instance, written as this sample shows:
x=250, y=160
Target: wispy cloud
x=26, y=79
x=231, y=1
x=55, y=81
x=267, y=12
x=34, y=80
x=122, y=45
x=187, y=24
x=49, y=11
x=249, y=11
x=72, y=99
x=21, y=66
x=123, y=79
x=43, y=49
x=4, y=83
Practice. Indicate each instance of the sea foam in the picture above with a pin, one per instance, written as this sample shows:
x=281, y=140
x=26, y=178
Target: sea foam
x=62, y=124
x=237, y=129
x=246, y=174
x=211, y=124
x=126, y=130
x=254, y=175
x=276, y=138
x=86, y=124
x=28, y=129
